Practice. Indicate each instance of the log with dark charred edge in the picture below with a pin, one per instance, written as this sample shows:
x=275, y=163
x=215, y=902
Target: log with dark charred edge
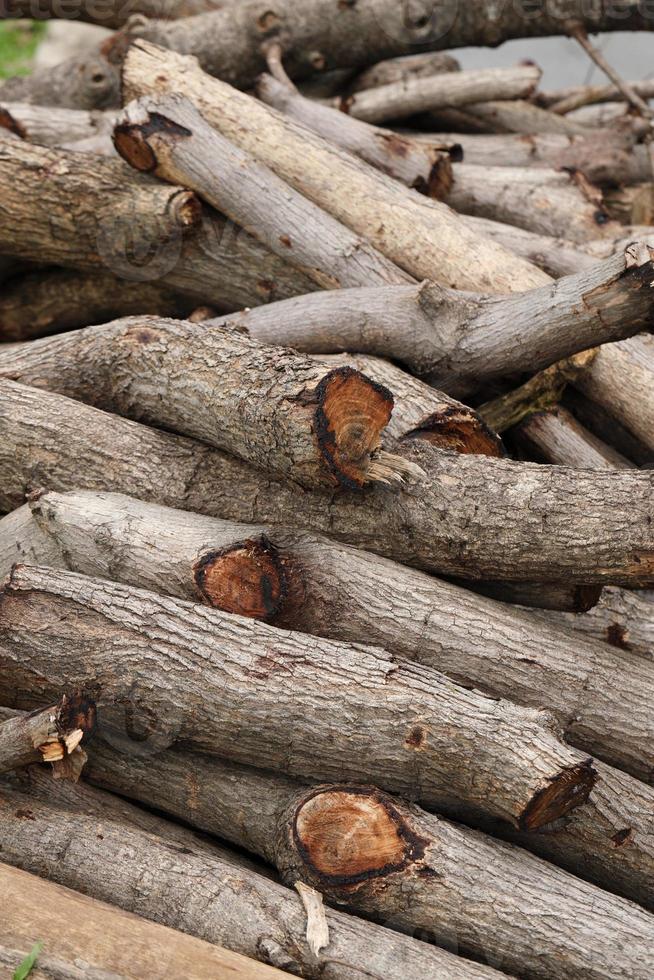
x=287, y=413
x=555, y=436
x=167, y=136
x=55, y=300
x=317, y=586
x=393, y=850
x=421, y=235
x=237, y=688
x=51, y=735
x=423, y=166
x=600, y=528
x=456, y=341
x=205, y=895
x=96, y=214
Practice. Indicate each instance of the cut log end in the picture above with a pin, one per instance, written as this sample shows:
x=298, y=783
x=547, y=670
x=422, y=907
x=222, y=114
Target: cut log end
x=566, y=791
x=461, y=431
x=136, y=141
x=247, y=579
x=8, y=122
x=346, y=835
x=352, y=413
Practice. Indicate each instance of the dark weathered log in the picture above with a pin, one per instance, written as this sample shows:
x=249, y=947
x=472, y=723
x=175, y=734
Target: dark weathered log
x=621, y=378
x=98, y=214
x=407, y=66
x=51, y=735
x=413, y=95
x=89, y=81
x=85, y=939
x=421, y=235
x=457, y=340
x=55, y=300
x=555, y=436
x=599, y=524
x=205, y=896
x=246, y=691
x=515, y=116
x=327, y=589
x=168, y=136
x=622, y=618
x=423, y=166
x=286, y=413
x=537, y=595
x=53, y=126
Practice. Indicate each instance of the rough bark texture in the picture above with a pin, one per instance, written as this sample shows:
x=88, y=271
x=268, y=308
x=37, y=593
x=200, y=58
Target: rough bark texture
x=88, y=940
x=112, y=14
x=460, y=520
x=168, y=136
x=314, y=708
x=53, y=735
x=621, y=379
x=317, y=425
x=207, y=897
x=607, y=428
x=56, y=300
x=423, y=166
x=421, y=235
x=407, y=66
x=555, y=436
x=399, y=100
x=51, y=126
x=99, y=215
x=457, y=340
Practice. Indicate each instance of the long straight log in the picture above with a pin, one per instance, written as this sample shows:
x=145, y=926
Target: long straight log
x=539, y=595
x=421, y=235
x=53, y=735
x=556, y=256
x=286, y=413
x=457, y=340
x=555, y=436
x=326, y=589
x=599, y=524
x=208, y=897
x=168, y=136
x=394, y=850
x=99, y=215
x=566, y=99
x=245, y=691
x=399, y=100
x=516, y=116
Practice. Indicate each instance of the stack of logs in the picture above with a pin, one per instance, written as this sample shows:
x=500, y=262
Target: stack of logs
x=326, y=448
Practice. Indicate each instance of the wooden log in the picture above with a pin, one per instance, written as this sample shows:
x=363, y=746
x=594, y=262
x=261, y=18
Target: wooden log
x=97, y=214
x=52, y=735
x=55, y=300
x=85, y=939
x=548, y=202
x=168, y=136
x=516, y=116
x=556, y=256
x=555, y=436
x=48, y=440
x=606, y=427
x=631, y=205
x=391, y=848
x=425, y=167
x=410, y=96
x=406, y=66
x=622, y=618
x=420, y=235
x=540, y=595
x=88, y=81
x=457, y=340
x=113, y=14
x=415, y=731
x=564, y=100
x=621, y=378
x=286, y=413
x=52, y=126
x=207, y=897
x=326, y=589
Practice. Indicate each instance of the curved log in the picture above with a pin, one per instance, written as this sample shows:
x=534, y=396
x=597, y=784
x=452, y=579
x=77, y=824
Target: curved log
x=53, y=735
x=422, y=236
x=326, y=589
x=246, y=691
x=168, y=137
x=600, y=528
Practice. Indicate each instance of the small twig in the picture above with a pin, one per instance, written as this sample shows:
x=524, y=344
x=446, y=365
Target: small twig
x=274, y=54
x=579, y=34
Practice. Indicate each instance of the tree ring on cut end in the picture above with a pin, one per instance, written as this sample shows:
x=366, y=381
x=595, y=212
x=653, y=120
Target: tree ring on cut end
x=246, y=578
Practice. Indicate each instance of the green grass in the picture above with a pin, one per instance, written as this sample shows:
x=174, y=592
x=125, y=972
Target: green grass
x=25, y=968
x=18, y=42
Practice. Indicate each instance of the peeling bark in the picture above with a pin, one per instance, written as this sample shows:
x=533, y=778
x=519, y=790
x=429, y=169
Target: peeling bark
x=168, y=137
x=421, y=235
x=599, y=525
x=246, y=691
x=555, y=436
x=53, y=735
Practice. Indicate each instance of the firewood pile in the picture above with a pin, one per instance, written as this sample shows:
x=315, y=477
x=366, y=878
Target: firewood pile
x=326, y=455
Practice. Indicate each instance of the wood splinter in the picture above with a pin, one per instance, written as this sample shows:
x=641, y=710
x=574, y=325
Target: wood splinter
x=52, y=735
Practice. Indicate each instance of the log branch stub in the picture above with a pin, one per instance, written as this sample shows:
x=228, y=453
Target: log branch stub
x=52, y=735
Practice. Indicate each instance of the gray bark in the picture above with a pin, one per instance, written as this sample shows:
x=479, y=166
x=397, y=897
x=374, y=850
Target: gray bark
x=516, y=116
x=421, y=235
x=555, y=436
x=599, y=525
x=168, y=137
x=407, y=66
x=50, y=735
x=90, y=81
x=113, y=14
x=556, y=256
x=566, y=99
x=52, y=126
x=286, y=413
x=313, y=708
x=541, y=595
x=326, y=589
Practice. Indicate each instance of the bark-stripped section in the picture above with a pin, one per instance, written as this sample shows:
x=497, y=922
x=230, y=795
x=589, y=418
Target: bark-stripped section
x=306, y=706
x=459, y=520
x=51, y=735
